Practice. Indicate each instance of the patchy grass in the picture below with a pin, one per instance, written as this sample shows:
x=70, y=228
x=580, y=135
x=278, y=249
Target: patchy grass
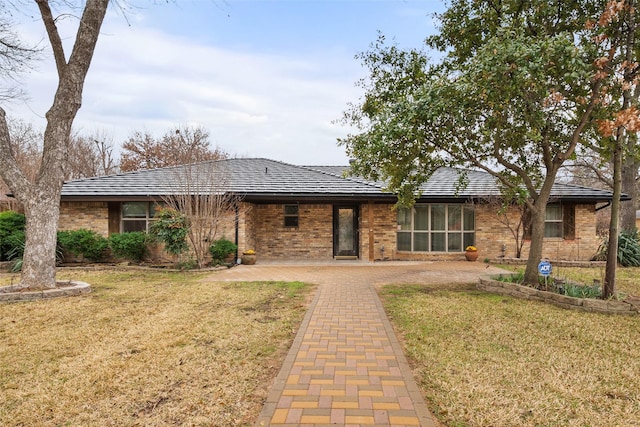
x=483, y=359
x=146, y=348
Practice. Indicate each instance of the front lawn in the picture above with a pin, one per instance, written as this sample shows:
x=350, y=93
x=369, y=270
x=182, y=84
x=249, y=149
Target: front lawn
x=483, y=359
x=146, y=348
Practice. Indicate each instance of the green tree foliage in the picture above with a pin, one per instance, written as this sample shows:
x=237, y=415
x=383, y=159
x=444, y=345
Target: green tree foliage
x=171, y=228
x=520, y=88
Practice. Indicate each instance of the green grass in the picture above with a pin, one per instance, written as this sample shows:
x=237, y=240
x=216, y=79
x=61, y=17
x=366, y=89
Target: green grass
x=483, y=359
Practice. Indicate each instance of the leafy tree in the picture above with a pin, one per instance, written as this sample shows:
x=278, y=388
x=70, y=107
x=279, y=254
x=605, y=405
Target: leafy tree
x=520, y=88
x=41, y=198
x=181, y=146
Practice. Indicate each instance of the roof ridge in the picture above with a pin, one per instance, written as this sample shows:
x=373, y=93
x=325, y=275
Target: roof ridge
x=363, y=181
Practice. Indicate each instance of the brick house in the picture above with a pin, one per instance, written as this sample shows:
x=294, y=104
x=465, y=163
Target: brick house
x=314, y=212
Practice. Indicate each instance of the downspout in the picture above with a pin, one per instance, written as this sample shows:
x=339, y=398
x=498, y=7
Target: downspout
x=237, y=231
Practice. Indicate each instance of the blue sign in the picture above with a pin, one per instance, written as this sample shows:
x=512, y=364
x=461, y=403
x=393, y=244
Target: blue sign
x=544, y=268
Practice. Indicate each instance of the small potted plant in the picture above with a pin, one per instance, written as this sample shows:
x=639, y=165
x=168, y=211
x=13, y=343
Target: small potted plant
x=248, y=257
x=471, y=253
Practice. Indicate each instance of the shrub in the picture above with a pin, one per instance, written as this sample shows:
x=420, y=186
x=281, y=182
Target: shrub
x=83, y=242
x=171, y=228
x=628, y=249
x=131, y=246
x=14, y=243
x=11, y=233
x=220, y=249
x=581, y=291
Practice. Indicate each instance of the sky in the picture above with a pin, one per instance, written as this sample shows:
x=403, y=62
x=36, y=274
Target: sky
x=266, y=78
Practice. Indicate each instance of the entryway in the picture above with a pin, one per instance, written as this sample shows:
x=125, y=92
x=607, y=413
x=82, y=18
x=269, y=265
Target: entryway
x=345, y=232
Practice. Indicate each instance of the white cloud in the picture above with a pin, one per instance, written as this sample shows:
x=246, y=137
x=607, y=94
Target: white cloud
x=253, y=104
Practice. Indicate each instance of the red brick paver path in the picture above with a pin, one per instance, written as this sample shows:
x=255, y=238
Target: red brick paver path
x=345, y=366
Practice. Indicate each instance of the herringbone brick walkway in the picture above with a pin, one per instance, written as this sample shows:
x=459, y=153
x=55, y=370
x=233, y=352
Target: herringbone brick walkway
x=345, y=366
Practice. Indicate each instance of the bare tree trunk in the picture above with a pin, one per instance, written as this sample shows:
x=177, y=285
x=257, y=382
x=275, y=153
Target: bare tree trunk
x=609, y=285
x=41, y=200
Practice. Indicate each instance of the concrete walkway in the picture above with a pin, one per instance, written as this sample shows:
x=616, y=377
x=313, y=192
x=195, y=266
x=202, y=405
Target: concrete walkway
x=345, y=366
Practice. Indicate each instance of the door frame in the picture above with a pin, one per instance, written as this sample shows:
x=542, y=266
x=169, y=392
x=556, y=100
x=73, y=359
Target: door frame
x=356, y=230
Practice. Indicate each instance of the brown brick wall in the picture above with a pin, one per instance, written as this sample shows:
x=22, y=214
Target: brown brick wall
x=261, y=227
x=89, y=215
x=491, y=235
x=313, y=238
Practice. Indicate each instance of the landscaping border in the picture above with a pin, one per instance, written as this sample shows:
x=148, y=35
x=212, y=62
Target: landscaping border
x=65, y=288
x=583, y=304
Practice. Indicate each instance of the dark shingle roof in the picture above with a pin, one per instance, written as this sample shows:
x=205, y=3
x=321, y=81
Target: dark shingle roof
x=250, y=177
x=264, y=179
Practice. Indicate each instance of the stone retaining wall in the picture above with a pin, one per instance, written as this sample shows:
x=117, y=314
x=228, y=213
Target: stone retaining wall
x=64, y=289
x=583, y=304
x=555, y=263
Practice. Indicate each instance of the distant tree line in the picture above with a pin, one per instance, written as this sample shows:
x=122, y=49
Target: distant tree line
x=95, y=154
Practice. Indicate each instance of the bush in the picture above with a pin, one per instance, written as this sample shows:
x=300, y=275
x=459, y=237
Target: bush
x=11, y=234
x=221, y=249
x=83, y=242
x=171, y=228
x=131, y=246
x=628, y=249
x=581, y=291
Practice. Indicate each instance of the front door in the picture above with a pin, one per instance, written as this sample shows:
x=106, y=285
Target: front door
x=345, y=231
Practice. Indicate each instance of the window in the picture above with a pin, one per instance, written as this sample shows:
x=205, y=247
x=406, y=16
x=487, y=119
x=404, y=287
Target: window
x=436, y=228
x=559, y=223
x=136, y=216
x=290, y=215
x=553, y=221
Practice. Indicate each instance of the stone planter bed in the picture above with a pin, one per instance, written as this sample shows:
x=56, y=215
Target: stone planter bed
x=64, y=289
x=555, y=263
x=628, y=306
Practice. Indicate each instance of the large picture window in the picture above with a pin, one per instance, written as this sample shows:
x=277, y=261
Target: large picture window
x=137, y=216
x=436, y=228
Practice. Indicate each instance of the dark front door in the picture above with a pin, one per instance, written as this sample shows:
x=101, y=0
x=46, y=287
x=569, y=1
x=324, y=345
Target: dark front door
x=345, y=231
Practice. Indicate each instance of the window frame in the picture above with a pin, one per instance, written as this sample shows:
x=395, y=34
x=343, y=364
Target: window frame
x=553, y=226
x=291, y=220
x=148, y=218
x=446, y=228
x=567, y=222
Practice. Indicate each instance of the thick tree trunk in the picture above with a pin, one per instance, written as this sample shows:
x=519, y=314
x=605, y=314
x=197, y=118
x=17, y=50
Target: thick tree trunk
x=41, y=199
x=39, y=266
